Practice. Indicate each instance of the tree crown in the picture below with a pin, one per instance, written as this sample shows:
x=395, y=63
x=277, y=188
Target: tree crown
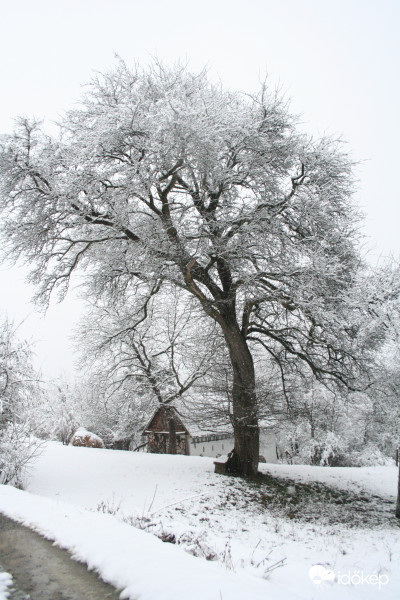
x=160, y=175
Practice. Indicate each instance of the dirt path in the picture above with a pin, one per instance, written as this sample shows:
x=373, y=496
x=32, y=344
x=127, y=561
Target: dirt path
x=43, y=572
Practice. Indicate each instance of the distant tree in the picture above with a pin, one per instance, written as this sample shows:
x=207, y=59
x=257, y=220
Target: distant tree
x=119, y=417
x=141, y=360
x=161, y=175
x=388, y=363
x=60, y=412
x=20, y=393
x=19, y=382
x=328, y=426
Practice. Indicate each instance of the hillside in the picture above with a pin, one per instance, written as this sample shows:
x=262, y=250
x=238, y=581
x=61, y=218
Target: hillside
x=262, y=536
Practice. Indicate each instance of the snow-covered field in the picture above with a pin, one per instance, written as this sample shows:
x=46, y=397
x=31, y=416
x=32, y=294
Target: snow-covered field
x=228, y=539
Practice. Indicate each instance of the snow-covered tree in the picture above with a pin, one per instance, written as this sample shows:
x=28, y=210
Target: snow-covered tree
x=138, y=361
x=327, y=426
x=161, y=175
x=60, y=412
x=19, y=396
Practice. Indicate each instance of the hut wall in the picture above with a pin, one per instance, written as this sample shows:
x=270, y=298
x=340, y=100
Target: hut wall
x=210, y=447
x=268, y=446
x=207, y=446
x=157, y=443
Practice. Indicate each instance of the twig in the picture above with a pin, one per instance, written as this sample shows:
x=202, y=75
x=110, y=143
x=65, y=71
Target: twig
x=178, y=502
x=252, y=554
x=264, y=559
x=276, y=565
x=152, y=502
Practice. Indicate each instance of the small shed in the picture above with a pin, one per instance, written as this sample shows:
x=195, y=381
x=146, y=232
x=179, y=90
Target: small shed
x=166, y=433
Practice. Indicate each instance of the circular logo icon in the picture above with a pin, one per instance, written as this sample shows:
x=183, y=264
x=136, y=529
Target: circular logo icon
x=319, y=573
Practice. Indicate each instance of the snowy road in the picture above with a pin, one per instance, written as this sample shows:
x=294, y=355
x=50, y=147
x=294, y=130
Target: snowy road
x=43, y=572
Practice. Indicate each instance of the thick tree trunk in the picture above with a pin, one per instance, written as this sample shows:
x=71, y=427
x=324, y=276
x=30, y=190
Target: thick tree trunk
x=244, y=460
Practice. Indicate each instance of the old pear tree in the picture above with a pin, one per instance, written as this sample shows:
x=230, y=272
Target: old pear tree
x=161, y=179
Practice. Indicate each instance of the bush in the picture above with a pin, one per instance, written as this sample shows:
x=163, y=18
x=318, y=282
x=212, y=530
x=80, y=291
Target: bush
x=17, y=449
x=329, y=450
x=370, y=456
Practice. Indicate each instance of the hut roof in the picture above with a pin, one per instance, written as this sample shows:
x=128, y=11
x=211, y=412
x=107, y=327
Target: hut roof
x=159, y=422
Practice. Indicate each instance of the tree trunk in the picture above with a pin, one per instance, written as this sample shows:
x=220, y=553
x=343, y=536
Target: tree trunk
x=398, y=497
x=172, y=436
x=244, y=459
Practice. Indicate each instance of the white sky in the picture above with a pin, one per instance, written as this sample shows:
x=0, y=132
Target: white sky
x=339, y=61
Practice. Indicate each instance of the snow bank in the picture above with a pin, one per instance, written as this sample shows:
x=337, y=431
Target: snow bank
x=136, y=562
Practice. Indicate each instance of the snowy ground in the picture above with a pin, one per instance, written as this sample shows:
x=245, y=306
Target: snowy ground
x=5, y=584
x=251, y=541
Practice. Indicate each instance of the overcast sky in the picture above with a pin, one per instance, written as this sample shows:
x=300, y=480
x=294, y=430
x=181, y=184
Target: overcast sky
x=338, y=61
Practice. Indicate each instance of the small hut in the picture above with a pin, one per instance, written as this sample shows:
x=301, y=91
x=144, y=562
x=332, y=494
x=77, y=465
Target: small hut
x=166, y=434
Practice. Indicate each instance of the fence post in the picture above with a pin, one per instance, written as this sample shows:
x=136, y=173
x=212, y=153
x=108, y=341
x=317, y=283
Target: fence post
x=398, y=497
